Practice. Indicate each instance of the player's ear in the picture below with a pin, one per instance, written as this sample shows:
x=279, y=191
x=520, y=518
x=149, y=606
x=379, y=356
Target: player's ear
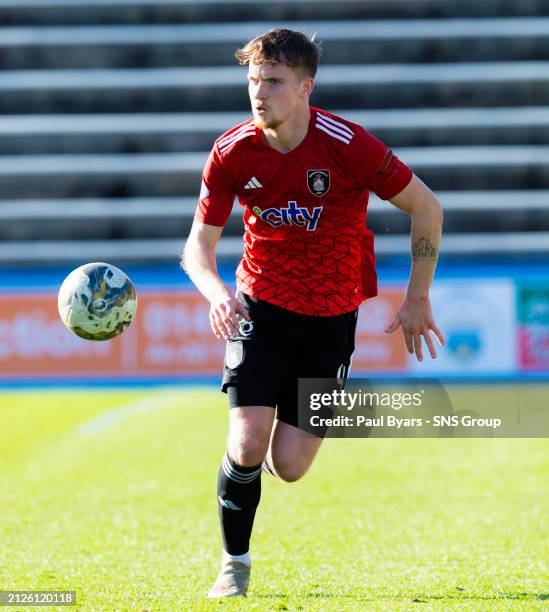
x=307, y=86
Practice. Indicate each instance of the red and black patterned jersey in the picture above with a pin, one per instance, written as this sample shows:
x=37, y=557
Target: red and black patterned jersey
x=306, y=244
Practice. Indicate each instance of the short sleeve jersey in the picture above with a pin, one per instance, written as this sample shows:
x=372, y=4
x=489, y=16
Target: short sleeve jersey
x=307, y=247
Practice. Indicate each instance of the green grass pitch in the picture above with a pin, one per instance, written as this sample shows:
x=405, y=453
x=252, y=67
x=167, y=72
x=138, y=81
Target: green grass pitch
x=112, y=494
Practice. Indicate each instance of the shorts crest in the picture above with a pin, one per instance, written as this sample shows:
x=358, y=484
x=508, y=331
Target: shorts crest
x=234, y=354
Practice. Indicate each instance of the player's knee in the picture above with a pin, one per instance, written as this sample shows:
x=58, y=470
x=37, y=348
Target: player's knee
x=248, y=453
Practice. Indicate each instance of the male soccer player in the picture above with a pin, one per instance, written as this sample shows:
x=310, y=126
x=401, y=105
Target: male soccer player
x=303, y=176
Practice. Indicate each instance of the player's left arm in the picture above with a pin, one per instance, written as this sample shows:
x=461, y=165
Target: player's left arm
x=415, y=314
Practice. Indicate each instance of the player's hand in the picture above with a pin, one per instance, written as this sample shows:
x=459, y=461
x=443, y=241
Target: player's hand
x=224, y=311
x=416, y=319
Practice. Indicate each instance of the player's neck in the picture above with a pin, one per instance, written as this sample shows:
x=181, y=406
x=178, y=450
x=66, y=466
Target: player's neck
x=290, y=134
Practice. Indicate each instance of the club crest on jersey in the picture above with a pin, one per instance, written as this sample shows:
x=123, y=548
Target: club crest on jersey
x=291, y=215
x=318, y=182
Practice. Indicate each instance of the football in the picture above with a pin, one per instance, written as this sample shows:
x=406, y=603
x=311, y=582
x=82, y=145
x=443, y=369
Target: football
x=97, y=301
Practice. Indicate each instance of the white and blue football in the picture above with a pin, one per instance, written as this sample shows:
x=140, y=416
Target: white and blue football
x=97, y=301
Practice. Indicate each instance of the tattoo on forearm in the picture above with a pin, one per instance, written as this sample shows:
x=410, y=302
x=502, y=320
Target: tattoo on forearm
x=423, y=249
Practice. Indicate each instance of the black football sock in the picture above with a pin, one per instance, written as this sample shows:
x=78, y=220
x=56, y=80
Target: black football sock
x=238, y=494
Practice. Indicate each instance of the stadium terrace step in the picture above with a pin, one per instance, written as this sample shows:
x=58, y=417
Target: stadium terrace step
x=116, y=252
x=75, y=12
x=472, y=211
x=139, y=218
x=178, y=174
x=97, y=208
x=119, y=252
x=136, y=218
x=213, y=44
x=104, y=228
x=152, y=175
x=178, y=132
x=473, y=244
x=128, y=208
x=215, y=89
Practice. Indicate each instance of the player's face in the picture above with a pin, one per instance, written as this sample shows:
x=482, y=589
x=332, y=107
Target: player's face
x=275, y=93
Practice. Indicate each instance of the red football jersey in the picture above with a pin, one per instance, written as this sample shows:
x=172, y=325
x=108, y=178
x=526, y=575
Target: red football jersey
x=306, y=244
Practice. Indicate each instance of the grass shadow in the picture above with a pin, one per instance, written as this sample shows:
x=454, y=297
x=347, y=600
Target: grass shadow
x=465, y=597
x=419, y=599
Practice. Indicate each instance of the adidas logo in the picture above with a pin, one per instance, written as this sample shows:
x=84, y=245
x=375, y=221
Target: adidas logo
x=253, y=183
x=227, y=503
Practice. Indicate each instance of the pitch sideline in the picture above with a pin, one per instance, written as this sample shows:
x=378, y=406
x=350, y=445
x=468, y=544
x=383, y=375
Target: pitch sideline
x=149, y=403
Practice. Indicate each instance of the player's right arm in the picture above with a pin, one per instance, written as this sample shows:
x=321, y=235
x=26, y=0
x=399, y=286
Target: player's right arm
x=200, y=264
x=213, y=209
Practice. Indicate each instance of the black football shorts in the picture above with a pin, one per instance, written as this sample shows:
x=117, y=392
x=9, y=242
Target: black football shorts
x=277, y=347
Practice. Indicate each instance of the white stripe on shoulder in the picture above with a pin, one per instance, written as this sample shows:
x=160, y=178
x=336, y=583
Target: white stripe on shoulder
x=229, y=144
x=333, y=128
x=337, y=124
x=241, y=129
x=333, y=134
x=233, y=137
